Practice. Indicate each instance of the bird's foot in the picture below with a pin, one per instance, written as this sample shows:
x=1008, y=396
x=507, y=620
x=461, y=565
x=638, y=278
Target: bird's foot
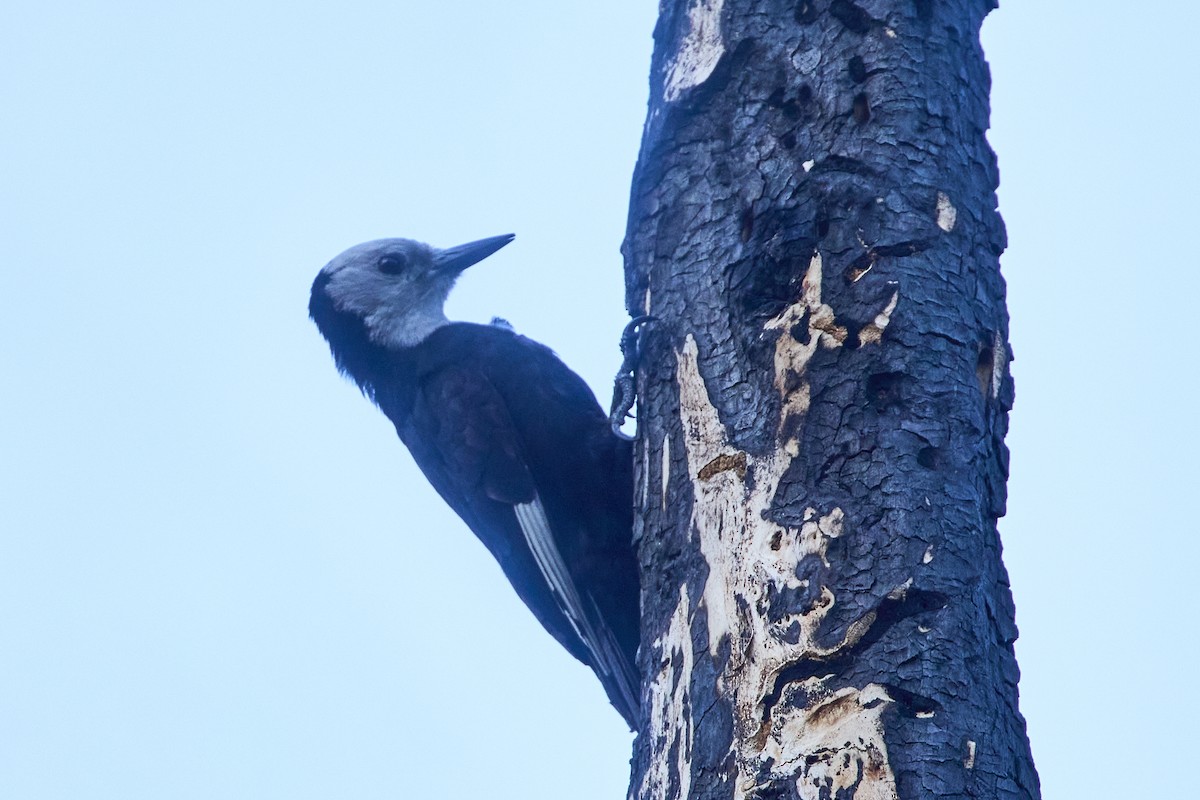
x=625, y=384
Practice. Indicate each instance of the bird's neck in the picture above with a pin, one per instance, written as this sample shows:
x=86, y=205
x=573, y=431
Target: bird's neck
x=408, y=329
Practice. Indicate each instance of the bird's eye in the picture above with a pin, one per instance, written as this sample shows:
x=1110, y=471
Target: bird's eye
x=392, y=264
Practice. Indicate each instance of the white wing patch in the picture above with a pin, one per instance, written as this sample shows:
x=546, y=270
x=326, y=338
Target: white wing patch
x=606, y=654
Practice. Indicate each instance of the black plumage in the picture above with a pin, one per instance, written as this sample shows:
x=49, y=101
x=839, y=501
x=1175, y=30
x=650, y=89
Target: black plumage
x=512, y=440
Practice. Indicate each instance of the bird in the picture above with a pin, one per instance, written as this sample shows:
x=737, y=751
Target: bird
x=510, y=437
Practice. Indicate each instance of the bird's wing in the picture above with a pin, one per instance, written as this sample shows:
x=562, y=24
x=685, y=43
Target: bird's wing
x=463, y=437
x=462, y=434
x=465, y=420
x=582, y=613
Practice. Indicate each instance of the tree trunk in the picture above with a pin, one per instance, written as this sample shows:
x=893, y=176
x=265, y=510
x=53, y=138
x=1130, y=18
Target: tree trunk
x=823, y=401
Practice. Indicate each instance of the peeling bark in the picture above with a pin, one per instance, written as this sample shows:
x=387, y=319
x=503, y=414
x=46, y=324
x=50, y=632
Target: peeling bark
x=823, y=400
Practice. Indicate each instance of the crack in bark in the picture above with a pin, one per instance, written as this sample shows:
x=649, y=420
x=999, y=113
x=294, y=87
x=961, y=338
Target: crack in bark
x=862, y=264
x=890, y=611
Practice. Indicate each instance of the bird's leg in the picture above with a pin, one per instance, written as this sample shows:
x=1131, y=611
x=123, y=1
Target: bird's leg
x=625, y=384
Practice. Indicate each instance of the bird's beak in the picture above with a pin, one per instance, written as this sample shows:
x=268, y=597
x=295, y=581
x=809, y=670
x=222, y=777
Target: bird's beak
x=454, y=260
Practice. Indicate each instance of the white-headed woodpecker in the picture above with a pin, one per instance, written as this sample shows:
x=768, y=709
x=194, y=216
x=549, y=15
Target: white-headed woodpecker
x=510, y=437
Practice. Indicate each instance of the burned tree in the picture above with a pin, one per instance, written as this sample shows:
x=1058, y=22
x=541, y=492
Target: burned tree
x=823, y=400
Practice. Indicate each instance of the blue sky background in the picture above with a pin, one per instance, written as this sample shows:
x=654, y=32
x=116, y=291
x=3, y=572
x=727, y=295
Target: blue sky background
x=220, y=574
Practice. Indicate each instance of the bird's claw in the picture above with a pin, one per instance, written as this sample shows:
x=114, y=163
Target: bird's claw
x=625, y=384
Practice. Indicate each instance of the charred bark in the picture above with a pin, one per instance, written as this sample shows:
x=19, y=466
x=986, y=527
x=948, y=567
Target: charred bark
x=823, y=401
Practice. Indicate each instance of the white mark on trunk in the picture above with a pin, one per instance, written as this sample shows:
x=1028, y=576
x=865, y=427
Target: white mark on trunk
x=646, y=302
x=671, y=709
x=872, y=332
x=925, y=559
x=700, y=51
x=751, y=559
x=666, y=470
x=840, y=737
x=807, y=61
x=999, y=363
x=947, y=214
x=901, y=591
x=791, y=357
x=808, y=165
x=816, y=534
x=969, y=761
